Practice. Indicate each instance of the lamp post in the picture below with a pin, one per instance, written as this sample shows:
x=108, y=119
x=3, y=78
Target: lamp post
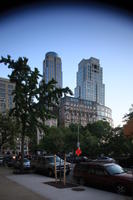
x=78, y=143
x=79, y=122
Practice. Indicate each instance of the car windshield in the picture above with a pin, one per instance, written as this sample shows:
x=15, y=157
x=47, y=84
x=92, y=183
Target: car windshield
x=26, y=160
x=51, y=159
x=114, y=169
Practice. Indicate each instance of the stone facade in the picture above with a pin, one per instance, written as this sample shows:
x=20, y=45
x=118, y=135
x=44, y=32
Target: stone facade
x=79, y=111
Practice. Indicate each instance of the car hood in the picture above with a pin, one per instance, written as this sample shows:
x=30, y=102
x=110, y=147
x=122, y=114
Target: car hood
x=58, y=163
x=125, y=176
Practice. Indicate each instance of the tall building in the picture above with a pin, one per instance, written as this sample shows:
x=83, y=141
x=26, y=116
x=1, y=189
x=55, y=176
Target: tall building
x=52, y=68
x=90, y=81
x=6, y=97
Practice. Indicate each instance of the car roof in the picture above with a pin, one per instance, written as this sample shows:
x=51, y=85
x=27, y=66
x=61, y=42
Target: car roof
x=47, y=156
x=95, y=163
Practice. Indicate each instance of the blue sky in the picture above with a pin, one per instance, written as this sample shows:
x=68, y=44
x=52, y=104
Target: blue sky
x=75, y=33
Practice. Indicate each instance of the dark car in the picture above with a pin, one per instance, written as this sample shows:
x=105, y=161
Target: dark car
x=105, y=175
x=76, y=159
x=1, y=160
x=26, y=164
x=105, y=159
x=81, y=159
x=9, y=160
x=46, y=165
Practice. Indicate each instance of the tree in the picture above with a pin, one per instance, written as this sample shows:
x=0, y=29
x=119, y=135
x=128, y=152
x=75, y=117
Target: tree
x=59, y=140
x=8, y=129
x=99, y=128
x=33, y=102
x=129, y=115
x=128, y=127
x=53, y=141
x=89, y=144
x=70, y=140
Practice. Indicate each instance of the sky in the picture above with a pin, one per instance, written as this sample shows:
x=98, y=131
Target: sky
x=75, y=33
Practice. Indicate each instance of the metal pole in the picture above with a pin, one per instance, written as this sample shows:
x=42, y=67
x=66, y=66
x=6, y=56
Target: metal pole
x=55, y=168
x=64, y=169
x=60, y=169
x=78, y=143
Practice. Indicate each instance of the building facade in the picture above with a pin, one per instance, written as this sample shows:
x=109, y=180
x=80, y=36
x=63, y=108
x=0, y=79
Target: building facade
x=52, y=68
x=80, y=111
x=6, y=97
x=90, y=81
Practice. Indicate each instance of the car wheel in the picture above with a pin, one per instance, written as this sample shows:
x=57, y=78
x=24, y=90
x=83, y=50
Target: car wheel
x=50, y=173
x=120, y=189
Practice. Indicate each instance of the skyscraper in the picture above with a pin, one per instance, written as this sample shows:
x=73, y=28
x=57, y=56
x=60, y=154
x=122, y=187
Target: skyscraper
x=90, y=81
x=52, y=68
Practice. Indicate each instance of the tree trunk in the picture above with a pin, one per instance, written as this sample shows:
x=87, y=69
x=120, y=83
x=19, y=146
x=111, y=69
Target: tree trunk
x=22, y=152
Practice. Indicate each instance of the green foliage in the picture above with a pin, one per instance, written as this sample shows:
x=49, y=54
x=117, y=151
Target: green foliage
x=99, y=128
x=8, y=131
x=118, y=145
x=53, y=140
x=89, y=144
x=34, y=102
x=95, y=139
x=59, y=140
x=70, y=140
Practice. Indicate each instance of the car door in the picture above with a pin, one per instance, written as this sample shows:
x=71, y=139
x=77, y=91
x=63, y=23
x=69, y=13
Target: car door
x=89, y=176
x=101, y=177
x=96, y=176
x=43, y=164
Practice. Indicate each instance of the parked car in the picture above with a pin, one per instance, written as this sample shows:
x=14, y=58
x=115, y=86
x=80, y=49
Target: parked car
x=46, y=165
x=105, y=159
x=81, y=159
x=1, y=160
x=105, y=175
x=26, y=164
x=76, y=159
x=9, y=160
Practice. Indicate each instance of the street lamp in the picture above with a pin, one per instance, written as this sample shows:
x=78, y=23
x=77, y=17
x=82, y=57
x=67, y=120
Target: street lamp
x=78, y=143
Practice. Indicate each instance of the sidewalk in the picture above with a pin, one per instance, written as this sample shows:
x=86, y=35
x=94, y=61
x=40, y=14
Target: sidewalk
x=33, y=187
x=9, y=190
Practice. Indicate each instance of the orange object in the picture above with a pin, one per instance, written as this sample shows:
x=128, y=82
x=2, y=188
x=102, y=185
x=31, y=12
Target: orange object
x=128, y=128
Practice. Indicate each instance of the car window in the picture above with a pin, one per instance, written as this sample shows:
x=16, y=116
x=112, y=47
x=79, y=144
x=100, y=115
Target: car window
x=51, y=159
x=114, y=169
x=91, y=171
x=99, y=172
